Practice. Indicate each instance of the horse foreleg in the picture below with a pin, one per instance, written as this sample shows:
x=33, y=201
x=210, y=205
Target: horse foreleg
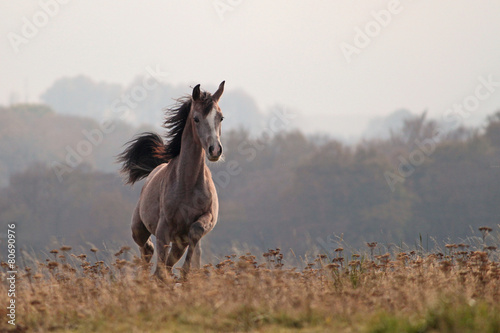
x=196, y=260
x=162, y=245
x=196, y=231
x=175, y=254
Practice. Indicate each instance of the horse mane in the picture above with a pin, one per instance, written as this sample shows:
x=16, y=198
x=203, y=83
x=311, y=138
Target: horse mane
x=175, y=121
x=148, y=150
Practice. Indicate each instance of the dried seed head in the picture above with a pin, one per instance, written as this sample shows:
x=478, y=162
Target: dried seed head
x=446, y=265
x=65, y=248
x=52, y=264
x=332, y=266
x=354, y=263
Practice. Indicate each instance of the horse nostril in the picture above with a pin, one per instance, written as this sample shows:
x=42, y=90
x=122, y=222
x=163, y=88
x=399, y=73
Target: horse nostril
x=211, y=150
x=220, y=150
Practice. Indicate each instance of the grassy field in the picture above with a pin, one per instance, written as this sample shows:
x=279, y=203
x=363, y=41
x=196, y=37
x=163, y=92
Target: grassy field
x=454, y=291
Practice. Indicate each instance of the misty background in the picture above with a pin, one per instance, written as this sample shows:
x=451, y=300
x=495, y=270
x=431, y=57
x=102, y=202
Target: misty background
x=388, y=124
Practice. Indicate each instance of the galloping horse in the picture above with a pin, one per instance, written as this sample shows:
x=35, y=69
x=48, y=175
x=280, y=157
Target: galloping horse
x=178, y=202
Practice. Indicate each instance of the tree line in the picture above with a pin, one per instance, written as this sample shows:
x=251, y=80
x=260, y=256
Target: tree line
x=286, y=190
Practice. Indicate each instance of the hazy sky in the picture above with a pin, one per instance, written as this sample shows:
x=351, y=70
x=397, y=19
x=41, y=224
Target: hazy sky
x=426, y=55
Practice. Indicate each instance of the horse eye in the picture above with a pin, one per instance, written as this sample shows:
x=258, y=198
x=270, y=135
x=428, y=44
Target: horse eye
x=221, y=118
x=196, y=120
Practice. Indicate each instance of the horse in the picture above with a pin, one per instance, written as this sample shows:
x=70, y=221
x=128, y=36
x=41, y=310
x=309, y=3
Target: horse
x=178, y=203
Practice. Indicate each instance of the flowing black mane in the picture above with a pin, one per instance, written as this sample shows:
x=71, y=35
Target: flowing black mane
x=148, y=150
x=175, y=121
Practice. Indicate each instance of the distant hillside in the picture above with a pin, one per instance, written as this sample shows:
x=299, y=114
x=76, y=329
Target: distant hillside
x=143, y=101
x=35, y=133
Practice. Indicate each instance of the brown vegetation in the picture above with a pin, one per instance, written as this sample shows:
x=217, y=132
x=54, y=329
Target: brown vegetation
x=456, y=291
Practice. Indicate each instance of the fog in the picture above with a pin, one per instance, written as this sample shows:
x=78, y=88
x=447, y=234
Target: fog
x=338, y=64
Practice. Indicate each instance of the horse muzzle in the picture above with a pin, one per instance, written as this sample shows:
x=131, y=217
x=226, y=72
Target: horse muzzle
x=214, y=152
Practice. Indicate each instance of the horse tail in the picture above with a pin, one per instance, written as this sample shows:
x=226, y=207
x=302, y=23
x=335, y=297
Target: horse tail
x=142, y=155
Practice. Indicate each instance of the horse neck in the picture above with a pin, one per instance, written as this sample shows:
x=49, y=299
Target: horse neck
x=191, y=163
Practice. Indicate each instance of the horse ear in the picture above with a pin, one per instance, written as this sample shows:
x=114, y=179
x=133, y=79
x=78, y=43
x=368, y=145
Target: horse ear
x=196, y=92
x=219, y=92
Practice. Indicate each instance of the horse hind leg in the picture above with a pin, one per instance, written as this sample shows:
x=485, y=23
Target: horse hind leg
x=141, y=236
x=147, y=251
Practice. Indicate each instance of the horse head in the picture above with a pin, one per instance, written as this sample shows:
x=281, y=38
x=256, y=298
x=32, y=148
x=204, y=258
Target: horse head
x=206, y=118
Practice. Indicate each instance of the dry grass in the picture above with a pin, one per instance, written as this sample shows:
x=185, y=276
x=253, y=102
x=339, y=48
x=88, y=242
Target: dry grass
x=403, y=292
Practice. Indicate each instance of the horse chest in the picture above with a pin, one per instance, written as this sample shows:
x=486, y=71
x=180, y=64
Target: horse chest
x=189, y=205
